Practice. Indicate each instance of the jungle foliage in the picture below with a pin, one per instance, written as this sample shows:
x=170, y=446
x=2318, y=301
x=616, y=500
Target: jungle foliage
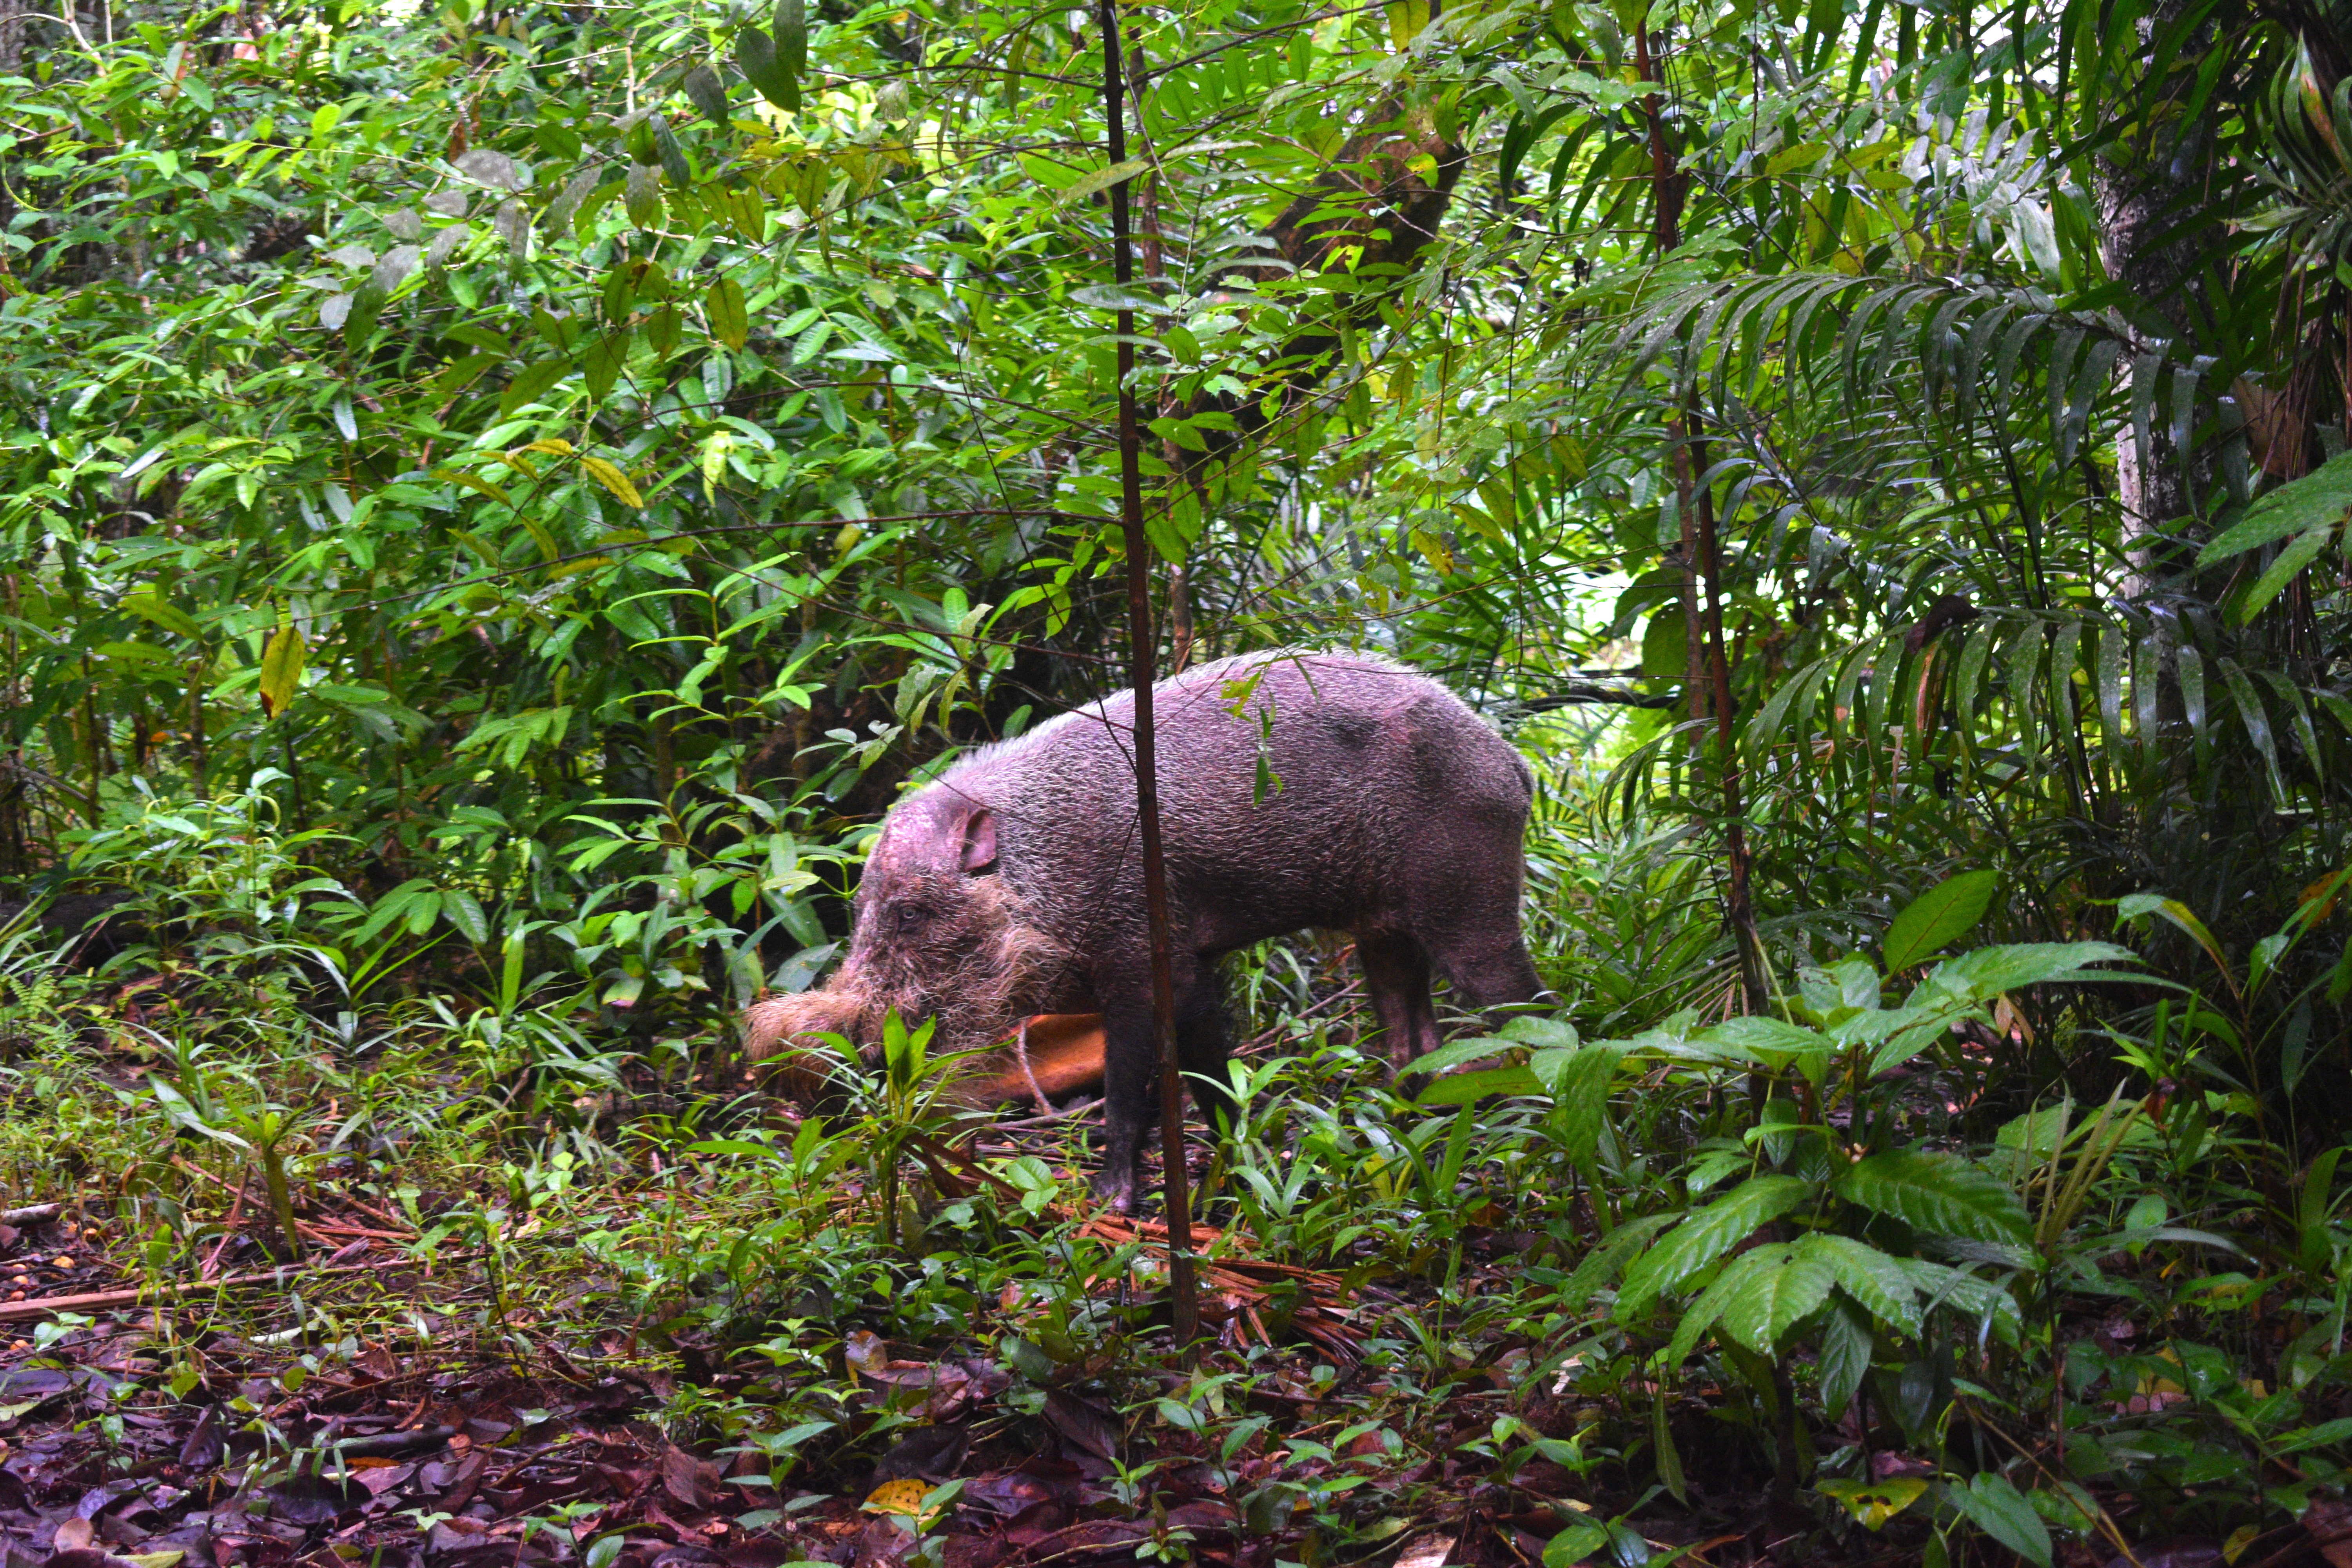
x=494, y=500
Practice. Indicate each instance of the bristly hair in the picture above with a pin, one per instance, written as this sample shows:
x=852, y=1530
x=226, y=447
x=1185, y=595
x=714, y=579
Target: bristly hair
x=979, y=992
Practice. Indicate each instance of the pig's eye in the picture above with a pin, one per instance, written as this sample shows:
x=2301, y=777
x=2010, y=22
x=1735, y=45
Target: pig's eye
x=908, y=917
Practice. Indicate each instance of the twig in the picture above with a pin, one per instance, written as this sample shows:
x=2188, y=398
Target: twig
x=229, y=1233
x=37, y=1213
x=1076, y=1108
x=98, y=1301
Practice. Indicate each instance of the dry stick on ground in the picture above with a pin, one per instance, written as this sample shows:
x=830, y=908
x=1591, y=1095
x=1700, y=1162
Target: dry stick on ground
x=145, y=1295
x=327, y=1227
x=229, y=1233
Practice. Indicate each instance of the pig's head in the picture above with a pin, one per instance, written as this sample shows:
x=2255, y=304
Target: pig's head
x=939, y=934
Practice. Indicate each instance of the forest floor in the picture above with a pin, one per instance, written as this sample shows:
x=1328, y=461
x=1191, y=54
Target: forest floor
x=637, y=1329
x=137, y=1423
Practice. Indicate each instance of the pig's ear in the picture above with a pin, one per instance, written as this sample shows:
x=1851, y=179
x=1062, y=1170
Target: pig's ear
x=979, y=841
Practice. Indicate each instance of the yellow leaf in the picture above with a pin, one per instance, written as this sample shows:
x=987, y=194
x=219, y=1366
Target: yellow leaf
x=556, y=444
x=612, y=479
x=477, y=483
x=281, y=670
x=903, y=1497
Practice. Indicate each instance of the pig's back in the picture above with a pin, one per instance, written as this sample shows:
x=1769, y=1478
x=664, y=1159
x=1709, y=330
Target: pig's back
x=1376, y=766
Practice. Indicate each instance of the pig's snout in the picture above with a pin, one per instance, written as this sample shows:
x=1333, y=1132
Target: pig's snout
x=779, y=1031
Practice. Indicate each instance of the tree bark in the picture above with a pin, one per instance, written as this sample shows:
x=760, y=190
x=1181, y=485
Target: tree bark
x=2147, y=186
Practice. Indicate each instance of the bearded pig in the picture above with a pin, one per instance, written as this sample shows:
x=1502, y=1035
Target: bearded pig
x=1296, y=789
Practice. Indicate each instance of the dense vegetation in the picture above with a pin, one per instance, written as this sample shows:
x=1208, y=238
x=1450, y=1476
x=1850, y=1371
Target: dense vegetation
x=496, y=500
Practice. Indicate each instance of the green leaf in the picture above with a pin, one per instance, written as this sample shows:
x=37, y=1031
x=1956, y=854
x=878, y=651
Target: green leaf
x=1775, y=1289
x=790, y=22
x=1938, y=1193
x=1985, y=972
x=1663, y=645
x=707, y=94
x=281, y=669
x=1756, y=1037
x=641, y=198
x=1463, y=1088
x=602, y=366
x=1873, y=1279
x=1573, y=1545
x=723, y=305
x=755, y=56
x=1458, y=1053
x=1704, y=1235
x=672, y=155
x=1993, y=1505
x=1844, y=1359
x=1102, y=180
x=2288, y=566
x=1938, y=917
x=2318, y=500
x=528, y=382
x=1581, y=1085
x=465, y=912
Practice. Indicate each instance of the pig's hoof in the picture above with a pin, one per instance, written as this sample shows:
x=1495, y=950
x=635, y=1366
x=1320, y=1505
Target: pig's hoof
x=1115, y=1193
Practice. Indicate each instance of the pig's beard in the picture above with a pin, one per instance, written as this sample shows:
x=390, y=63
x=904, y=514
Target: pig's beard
x=978, y=982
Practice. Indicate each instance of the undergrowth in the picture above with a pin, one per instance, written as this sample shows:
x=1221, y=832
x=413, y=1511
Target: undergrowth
x=1645, y=1269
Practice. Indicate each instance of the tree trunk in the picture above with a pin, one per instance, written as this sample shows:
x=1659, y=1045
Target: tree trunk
x=2148, y=185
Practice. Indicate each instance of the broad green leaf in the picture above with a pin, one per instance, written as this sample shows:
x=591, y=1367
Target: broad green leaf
x=723, y=305
x=1663, y=645
x=1996, y=1507
x=1102, y=180
x=1704, y=1235
x=2318, y=501
x=601, y=366
x=755, y=54
x=1756, y=1037
x=1938, y=917
x=1573, y=1545
x=1463, y=1088
x=1407, y=20
x=1847, y=1341
x=1580, y=1083
x=1769, y=1290
x=641, y=196
x=707, y=93
x=465, y=912
x=1985, y=972
x=790, y=22
x=2289, y=565
x=672, y=155
x=1940, y=1192
x=1873, y=1279
x=530, y=382
x=1459, y=1053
